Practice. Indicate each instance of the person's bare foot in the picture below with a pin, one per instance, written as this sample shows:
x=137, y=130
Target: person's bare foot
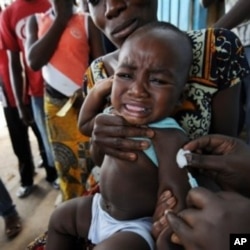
x=165, y=202
x=13, y=225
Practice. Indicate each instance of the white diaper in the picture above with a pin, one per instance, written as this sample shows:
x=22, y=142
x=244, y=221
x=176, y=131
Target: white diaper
x=103, y=225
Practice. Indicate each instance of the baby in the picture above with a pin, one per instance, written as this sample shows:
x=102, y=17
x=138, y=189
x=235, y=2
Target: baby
x=152, y=70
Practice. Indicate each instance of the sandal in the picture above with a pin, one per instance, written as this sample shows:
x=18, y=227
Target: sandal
x=13, y=225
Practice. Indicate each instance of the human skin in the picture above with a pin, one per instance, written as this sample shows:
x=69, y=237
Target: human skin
x=220, y=214
x=146, y=88
x=237, y=14
x=118, y=19
x=48, y=43
x=226, y=160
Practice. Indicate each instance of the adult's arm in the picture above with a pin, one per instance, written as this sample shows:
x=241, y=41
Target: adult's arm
x=39, y=51
x=226, y=111
x=18, y=85
x=235, y=16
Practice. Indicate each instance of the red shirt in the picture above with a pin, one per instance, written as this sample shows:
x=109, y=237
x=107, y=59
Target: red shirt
x=12, y=31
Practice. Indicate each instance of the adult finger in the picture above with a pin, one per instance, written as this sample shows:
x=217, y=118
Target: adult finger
x=200, y=197
x=230, y=196
x=216, y=144
x=128, y=156
x=207, y=162
x=116, y=126
x=182, y=231
x=117, y=146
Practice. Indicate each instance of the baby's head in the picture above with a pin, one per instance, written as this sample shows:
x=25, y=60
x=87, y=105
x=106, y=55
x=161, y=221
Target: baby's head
x=152, y=70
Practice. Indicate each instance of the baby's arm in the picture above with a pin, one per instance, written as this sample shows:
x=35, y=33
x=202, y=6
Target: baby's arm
x=93, y=105
x=167, y=143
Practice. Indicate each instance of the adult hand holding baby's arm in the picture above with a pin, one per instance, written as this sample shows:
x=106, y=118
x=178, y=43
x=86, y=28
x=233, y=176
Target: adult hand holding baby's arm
x=112, y=132
x=223, y=158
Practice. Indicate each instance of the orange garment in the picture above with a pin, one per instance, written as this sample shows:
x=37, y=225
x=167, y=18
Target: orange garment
x=64, y=73
x=61, y=71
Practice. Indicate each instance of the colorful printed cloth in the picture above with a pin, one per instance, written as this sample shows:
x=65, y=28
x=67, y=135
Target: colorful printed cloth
x=39, y=243
x=218, y=63
x=70, y=148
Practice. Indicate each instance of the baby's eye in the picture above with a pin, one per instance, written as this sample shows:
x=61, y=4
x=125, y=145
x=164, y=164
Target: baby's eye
x=124, y=76
x=157, y=81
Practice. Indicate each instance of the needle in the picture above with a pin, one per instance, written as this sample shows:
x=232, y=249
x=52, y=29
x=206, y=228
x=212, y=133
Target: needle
x=182, y=163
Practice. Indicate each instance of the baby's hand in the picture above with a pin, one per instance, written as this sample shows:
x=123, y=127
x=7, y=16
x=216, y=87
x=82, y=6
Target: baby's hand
x=103, y=87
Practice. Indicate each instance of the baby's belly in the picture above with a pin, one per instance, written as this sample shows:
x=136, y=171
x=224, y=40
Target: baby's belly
x=129, y=190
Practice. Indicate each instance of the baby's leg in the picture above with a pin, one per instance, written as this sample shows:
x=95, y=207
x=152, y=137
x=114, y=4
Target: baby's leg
x=69, y=222
x=123, y=241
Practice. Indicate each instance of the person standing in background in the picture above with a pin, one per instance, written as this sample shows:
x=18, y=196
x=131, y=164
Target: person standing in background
x=23, y=80
x=237, y=17
x=13, y=225
x=61, y=42
x=18, y=131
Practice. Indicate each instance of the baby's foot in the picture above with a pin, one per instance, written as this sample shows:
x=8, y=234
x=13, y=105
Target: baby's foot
x=165, y=202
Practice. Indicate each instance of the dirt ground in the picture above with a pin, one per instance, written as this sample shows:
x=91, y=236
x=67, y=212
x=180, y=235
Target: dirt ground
x=35, y=209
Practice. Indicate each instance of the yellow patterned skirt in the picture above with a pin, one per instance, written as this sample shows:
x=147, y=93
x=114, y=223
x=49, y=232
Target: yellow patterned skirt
x=69, y=147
